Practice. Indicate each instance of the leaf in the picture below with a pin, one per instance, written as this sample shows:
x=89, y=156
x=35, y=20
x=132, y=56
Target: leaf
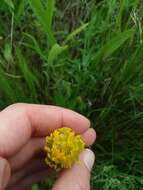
x=44, y=17
x=116, y=42
x=34, y=45
x=6, y=88
x=49, y=12
x=55, y=51
x=75, y=32
x=19, y=11
x=7, y=52
x=29, y=77
x=10, y=4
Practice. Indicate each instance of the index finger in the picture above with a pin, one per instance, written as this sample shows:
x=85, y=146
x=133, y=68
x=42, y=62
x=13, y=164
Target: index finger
x=21, y=121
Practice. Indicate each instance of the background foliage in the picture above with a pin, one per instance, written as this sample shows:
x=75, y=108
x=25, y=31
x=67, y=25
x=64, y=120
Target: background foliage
x=87, y=56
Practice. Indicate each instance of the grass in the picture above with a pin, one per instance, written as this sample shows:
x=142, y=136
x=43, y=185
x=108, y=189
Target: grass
x=87, y=56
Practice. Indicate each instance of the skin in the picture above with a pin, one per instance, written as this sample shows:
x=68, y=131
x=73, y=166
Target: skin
x=22, y=136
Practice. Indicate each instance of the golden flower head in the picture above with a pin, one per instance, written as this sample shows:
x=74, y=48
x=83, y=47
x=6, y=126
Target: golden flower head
x=62, y=148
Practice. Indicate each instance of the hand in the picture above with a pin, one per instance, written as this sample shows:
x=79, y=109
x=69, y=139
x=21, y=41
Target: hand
x=23, y=128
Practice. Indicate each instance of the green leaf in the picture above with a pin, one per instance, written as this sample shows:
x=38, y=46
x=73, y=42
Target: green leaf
x=7, y=52
x=6, y=87
x=19, y=11
x=10, y=4
x=116, y=42
x=28, y=75
x=44, y=17
x=55, y=51
x=34, y=45
x=49, y=12
x=75, y=32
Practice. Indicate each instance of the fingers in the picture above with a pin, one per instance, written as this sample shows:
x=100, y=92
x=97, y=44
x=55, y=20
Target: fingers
x=33, y=147
x=78, y=177
x=45, y=119
x=36, y=145
x=20, y=121
x=29, y=180
x=89, y=137
x=34, y=166
x=4, y=173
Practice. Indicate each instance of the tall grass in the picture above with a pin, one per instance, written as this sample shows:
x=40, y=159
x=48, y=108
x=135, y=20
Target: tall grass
x=87, y=56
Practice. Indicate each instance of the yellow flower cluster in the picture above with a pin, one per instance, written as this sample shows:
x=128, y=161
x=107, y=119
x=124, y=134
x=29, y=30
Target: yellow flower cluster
x=62, y=148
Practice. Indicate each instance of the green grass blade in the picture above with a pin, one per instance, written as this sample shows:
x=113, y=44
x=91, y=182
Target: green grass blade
x=49, y=13
x=34, y=45
x=19, y=10
x=29, y=77
x=55, y=51
x=6, y=87
x=75, y=32
x=45, y=21
x=10, y=4
x=115, y=43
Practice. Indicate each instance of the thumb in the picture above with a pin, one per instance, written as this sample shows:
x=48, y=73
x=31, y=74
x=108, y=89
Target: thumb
x=77, y=177
x=4, y=173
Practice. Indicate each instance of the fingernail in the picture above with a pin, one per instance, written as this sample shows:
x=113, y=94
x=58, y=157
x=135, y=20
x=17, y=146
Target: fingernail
x=4, y=173
x=88, y=158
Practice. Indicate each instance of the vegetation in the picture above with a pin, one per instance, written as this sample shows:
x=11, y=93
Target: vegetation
x=85, y=55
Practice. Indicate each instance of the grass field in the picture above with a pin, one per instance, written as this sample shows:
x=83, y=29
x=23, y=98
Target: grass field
x=86, y=55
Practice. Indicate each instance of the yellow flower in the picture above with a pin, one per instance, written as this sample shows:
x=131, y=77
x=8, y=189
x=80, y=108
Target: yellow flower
x=62, y=148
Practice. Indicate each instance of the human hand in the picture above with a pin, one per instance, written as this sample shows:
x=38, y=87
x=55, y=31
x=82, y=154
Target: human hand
x=23, y=128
